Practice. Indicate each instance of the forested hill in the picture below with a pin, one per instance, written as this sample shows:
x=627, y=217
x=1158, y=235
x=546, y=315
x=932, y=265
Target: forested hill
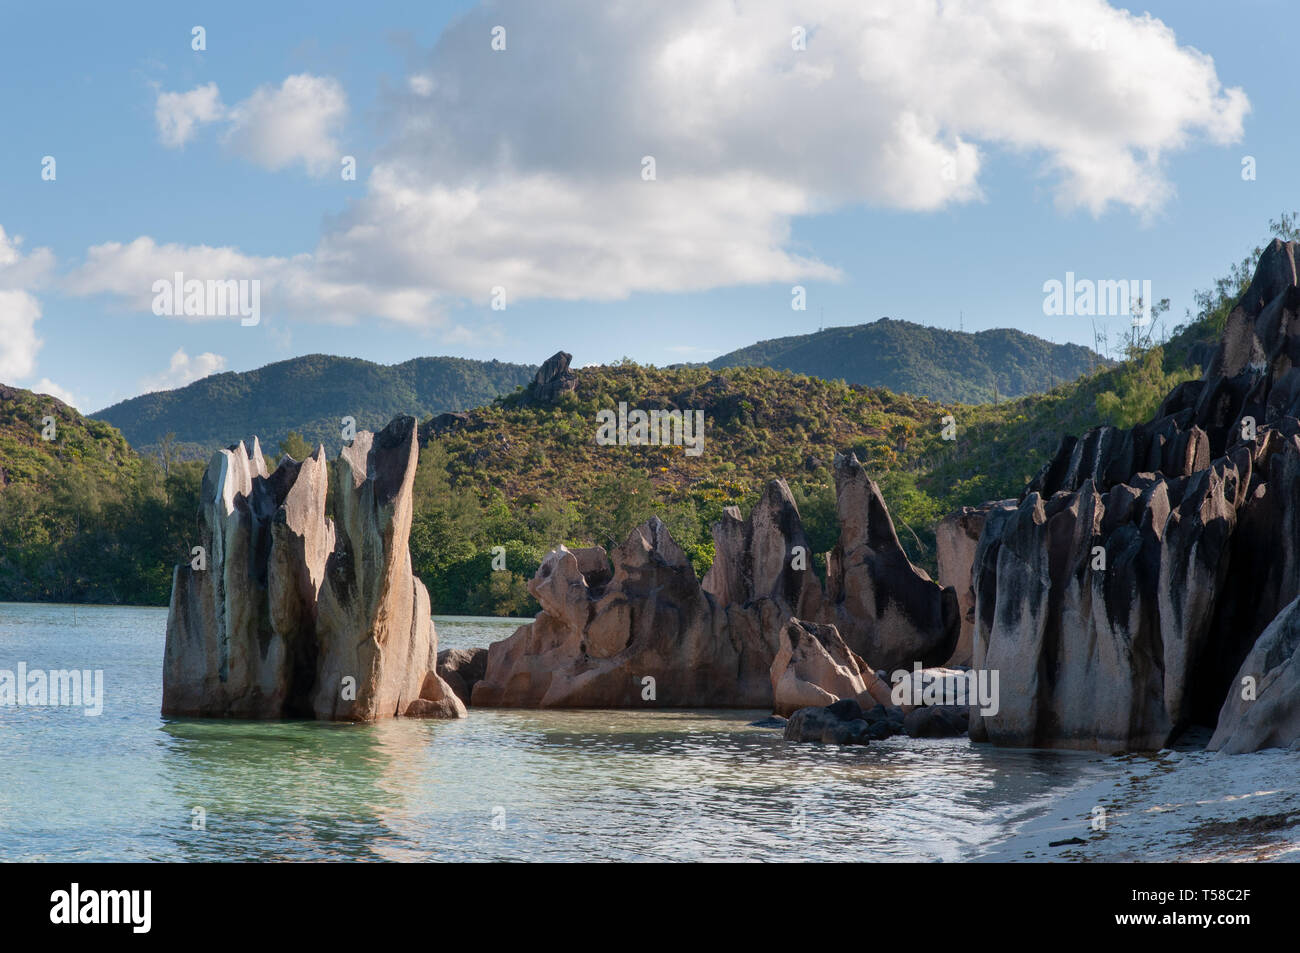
x=907, y=358
x=83, y=518
x=309, y=395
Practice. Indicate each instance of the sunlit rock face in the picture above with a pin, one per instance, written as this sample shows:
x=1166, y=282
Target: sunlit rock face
x=641, y=633
x=1146, y=574
x=644, y=631
x=289, y=618
x=814, y=667
x=888, y=610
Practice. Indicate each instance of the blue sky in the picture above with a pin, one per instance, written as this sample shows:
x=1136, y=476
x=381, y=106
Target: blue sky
x=521, y=168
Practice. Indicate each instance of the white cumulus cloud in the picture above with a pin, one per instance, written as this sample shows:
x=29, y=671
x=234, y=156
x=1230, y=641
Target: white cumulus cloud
x=183, y=369
x=523, y=168
x=19, y=312
x=276, y=127
x=47, y=386
x=178, y=115
x=19, y=308
x=297, y=122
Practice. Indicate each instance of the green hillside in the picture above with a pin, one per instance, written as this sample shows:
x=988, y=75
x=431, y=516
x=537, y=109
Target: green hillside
x=83, y=518
x=525, y=476
x=309, y=395
x=909, y=358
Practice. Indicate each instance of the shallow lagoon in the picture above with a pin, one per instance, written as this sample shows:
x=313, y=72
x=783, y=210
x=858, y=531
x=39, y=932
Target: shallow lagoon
x=499, y=785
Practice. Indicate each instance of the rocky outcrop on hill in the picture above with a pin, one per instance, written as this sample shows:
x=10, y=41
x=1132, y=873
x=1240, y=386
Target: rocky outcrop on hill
x=441, y=425
x=553, y=379
x=1145, y=569
x=648, y=632
x=288, y=614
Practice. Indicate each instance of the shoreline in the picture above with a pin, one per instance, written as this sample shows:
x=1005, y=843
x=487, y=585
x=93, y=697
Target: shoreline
x=1171, y=806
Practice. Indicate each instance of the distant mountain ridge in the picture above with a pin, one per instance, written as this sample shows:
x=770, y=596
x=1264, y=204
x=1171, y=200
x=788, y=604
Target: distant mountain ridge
x=309, y=395
x=907, y=358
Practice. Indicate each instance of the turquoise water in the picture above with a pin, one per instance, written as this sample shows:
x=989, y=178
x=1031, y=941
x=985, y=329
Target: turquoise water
x=499, y=785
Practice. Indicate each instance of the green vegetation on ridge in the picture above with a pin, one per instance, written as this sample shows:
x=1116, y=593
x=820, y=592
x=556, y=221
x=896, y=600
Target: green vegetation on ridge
x=84, y=519
x=907, y=358
x=308, y=395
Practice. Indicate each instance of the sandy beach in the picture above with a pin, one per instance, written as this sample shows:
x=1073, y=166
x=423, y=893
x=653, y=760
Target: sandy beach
x=1169, y=806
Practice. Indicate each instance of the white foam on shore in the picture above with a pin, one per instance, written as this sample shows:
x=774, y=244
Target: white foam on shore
x=1169, y=806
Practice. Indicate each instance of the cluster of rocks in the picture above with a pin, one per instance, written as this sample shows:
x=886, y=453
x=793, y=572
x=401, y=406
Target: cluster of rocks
x=286, y=613
x=1146, y=581
x=846, y=722
x=637, y=627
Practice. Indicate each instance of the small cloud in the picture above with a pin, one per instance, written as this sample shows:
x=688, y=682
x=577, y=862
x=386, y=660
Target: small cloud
x=19, y=309
x=19, y=313
x=184, y=370
x=298, y=121
x=47, y=386
x=179, y=115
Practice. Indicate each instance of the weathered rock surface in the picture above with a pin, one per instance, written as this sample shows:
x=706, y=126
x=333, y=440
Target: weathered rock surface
x=553, y=379
x=814, y=667
x=462, y=669
x=286, y=608
x=937, y=721
x=888, y=611
x=601, y=633
x=1144, y=570
x=375, y=624
x=956, y=538
x=1264, y=712
x=840, y=724
x=240, y=642
x=646, y=636
x=766, y=556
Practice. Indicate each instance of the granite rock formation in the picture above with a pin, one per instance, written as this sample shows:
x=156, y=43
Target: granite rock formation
x=553, y=379
x=462, y=669
x=643, y=634
x=815, y=668
x=604, y=631
x=291, y=615
x=1262, y=709
x=889, y=611
x=956, y=538
x=1145, y=569
x=841, y=723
